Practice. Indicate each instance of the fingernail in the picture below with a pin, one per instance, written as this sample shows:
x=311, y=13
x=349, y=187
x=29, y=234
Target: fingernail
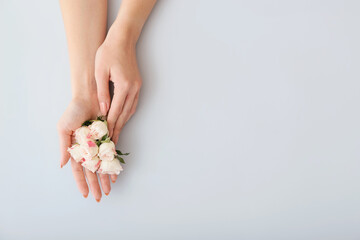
x=103, y=108
x=107, y=194
x=98, y=200
x=61, y=165
x=85, y=195
x=113, y=181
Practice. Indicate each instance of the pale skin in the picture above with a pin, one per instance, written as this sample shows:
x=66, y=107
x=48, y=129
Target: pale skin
x=96, y=58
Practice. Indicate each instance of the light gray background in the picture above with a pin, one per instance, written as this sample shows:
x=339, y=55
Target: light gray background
x=247, y=127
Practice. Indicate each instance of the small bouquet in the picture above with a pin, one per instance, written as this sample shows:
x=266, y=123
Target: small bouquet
x=94, y=149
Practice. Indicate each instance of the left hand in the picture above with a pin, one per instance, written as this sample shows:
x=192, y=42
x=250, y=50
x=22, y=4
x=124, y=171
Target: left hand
x=116, y=61
x=78, y=111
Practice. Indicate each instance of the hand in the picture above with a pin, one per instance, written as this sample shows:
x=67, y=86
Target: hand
x=116, y=61
x=78, y=111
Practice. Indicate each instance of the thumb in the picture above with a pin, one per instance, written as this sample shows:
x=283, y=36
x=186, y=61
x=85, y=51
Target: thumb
x=65, y=143
x=103, y=91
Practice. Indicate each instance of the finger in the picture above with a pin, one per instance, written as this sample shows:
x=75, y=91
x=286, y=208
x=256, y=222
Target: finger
x=94, y=184
x=123, y=116
x=103, y=91
x=79, y=177
x=105, y=183
x=133, y=108
x=65, y=143
x=117, y=103
x=113, y=177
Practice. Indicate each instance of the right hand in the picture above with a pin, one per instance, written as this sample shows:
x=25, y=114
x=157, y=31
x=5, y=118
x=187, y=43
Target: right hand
x=116, y=62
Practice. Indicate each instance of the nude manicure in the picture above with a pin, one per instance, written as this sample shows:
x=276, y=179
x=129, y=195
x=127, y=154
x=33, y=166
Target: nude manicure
x=103, y=108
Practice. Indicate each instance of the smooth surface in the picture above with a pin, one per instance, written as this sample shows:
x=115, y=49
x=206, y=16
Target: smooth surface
x=247, y=127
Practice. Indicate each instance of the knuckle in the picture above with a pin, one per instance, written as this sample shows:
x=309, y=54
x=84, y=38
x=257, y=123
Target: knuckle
x=125, y=84
x=127, y=111
x=92, y=184
x=117, y=131
x=111, y=121
x=138, y=84
x=78, y=169
x=115, y=136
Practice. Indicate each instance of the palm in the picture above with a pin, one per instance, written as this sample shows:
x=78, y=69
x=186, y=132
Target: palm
x=76, y=113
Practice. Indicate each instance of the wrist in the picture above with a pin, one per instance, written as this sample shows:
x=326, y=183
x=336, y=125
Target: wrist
x=123, y=33
x=85, y=98
x=84, y=88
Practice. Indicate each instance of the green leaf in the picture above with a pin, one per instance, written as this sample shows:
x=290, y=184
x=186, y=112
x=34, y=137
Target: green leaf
x=120, y=159
x=121, y=154
x=100, y=118
x=104, y=137
x=98, y=143
x=87, y=123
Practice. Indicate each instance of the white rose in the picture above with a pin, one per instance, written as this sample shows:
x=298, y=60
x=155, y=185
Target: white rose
x=92, y=164
x=76, y=152
x=107, y=151
x=110, y=167
x=90, y=150
x=82, y=135
x=98, y=129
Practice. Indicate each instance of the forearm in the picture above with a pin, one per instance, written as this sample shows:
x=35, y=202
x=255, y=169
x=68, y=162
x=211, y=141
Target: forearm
x=85, y=27
x=130, y=20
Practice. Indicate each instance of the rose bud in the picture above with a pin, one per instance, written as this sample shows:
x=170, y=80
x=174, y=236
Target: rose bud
x=76, y=152
x=98, y=129
x=107, y=151
x=82, y=135
x=92, y=164
x=90, y=150
x=110, y=167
